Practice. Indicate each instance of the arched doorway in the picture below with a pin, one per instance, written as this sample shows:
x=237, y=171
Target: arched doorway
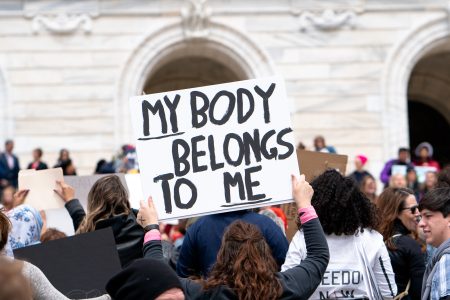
x=189, y=72
x=427, y=38
x=427, y=124
x=223, y=48
x=429, y=102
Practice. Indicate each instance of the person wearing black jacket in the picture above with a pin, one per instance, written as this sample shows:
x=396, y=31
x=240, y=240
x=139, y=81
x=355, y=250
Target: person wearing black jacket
x=108, y=206
x=245, y=269
x=9, y=166
x=399, y=218
x=37, y=164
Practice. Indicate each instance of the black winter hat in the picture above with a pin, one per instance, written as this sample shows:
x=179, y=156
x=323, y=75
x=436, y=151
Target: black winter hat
x=143, y=279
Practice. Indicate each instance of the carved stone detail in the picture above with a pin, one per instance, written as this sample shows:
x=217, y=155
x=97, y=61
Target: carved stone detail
x=62, y=23
x=327, y=21
x=196, y=19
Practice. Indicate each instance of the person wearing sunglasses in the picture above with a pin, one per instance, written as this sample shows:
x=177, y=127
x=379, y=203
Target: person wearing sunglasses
x=400, y=216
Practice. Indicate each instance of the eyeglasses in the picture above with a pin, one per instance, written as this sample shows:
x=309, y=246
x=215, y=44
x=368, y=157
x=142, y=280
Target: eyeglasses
x=413, y=208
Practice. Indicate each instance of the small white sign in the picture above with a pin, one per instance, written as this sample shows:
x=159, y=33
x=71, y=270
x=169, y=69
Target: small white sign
x=41, y=185
x=216, y=148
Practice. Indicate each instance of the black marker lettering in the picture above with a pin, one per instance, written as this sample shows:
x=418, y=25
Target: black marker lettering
x=265, y=97
x=212, y=155
x=157, y=108
x=228, y=112
x=226, y=149
x=249, y=184
x=272, y=153
x=196, y=154
x=281, y=142
x=177, y=197
x=178, y=159
x=166, y=190
x=251, y=144
x=172, y=106
x=240, y=105
x=229, y=180
x=196, y=112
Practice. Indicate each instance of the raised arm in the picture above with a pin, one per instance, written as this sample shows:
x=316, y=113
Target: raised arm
x=148, y=219
x=302, y=280
x=73, y=206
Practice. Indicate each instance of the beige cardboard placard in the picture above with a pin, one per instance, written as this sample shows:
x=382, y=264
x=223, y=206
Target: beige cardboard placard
x=315, y=163
x=83, y=184
x=41, y=185
x=312, y=165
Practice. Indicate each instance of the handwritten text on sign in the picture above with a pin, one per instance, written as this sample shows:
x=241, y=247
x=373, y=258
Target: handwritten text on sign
x=216, y=148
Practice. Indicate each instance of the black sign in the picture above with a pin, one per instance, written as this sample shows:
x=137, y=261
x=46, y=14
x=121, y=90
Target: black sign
x=78, y=266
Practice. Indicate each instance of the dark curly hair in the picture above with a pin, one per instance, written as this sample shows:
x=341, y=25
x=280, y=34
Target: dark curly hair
x=341, y=206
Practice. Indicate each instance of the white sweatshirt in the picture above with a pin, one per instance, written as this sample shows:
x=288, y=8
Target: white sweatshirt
x=345, y=274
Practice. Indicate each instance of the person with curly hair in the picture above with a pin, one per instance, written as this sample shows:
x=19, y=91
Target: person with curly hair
x=357, y=251
x=399, y=213
x=245, y=268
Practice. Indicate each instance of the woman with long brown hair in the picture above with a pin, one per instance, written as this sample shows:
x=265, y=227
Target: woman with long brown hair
x=108, y=206
x=399, y=215
x=245, y=267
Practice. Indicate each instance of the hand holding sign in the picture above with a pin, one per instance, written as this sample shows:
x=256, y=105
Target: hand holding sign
x=19, y=197
x=301, y=191
x=65, y=191
x=41, y=185
x=147, y=213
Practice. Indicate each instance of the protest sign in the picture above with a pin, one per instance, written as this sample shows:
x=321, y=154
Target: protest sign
x=312, y=165
x=41, y=185
x=83, y=184
x=134, y=186
x=59, y=219
x=422, y=172
x=78, y=266
x=216, y=148
x=399, y=169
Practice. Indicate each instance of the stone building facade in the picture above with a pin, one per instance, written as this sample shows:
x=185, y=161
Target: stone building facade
x=352, y=68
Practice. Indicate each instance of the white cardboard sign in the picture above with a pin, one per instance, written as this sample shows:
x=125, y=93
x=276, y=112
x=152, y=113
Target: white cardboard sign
x=216, y=148
x=41, y=185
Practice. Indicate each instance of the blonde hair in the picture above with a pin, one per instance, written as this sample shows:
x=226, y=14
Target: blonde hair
x=107, y=198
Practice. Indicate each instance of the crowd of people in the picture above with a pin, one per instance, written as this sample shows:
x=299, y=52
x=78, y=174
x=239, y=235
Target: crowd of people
x=351, y=242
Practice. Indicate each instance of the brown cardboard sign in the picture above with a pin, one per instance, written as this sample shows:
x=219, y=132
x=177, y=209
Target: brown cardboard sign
x=312, y=164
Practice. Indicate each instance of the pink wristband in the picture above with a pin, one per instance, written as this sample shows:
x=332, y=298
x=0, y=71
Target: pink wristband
x=307, y=214
x=152, y=235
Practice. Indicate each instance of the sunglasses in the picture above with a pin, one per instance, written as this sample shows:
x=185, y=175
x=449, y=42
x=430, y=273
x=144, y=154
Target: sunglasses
x=413, y=208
